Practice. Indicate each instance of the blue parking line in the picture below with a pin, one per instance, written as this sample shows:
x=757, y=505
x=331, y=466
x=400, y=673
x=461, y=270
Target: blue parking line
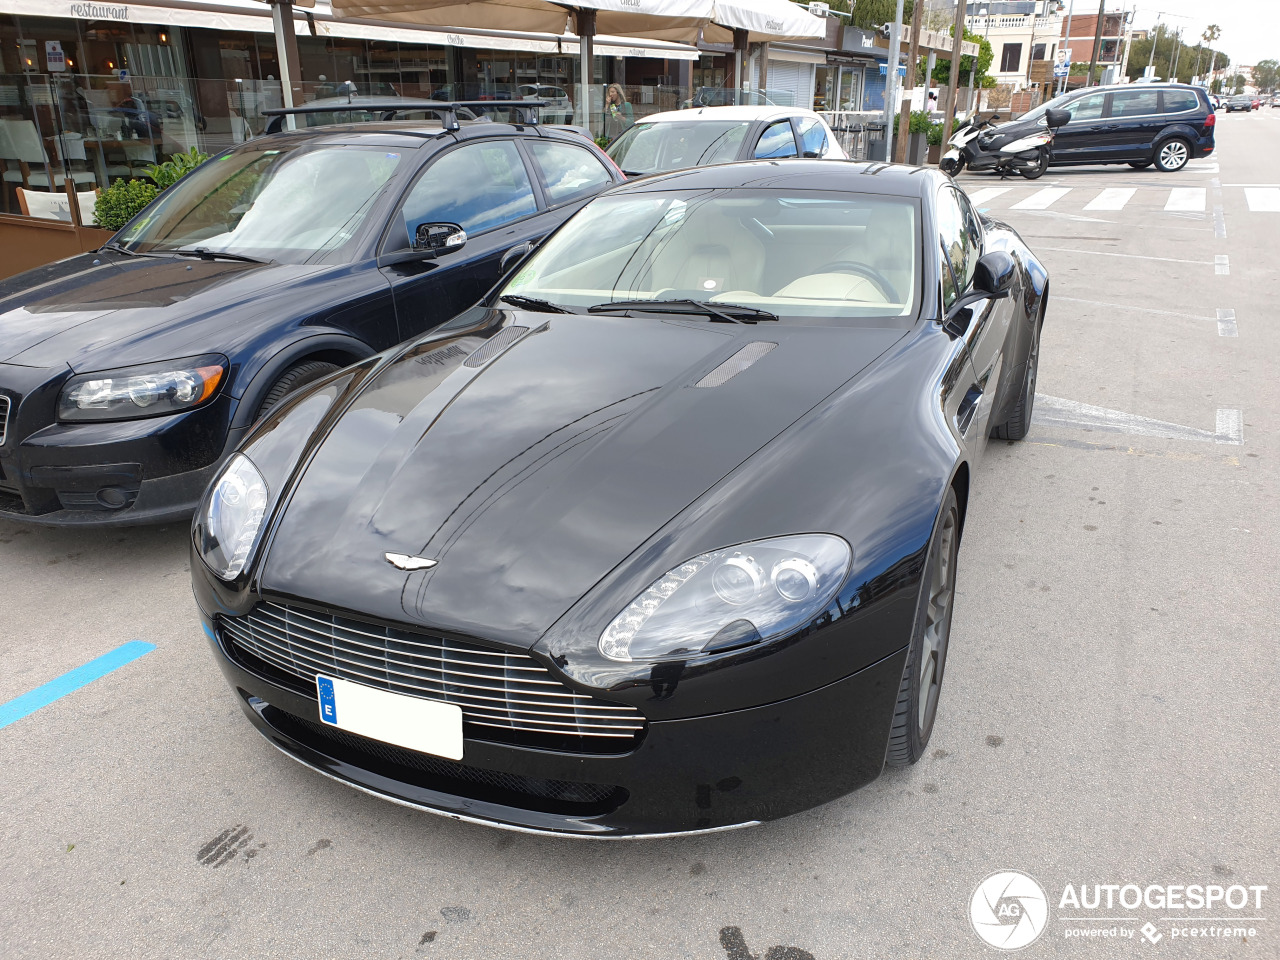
x=71, y=681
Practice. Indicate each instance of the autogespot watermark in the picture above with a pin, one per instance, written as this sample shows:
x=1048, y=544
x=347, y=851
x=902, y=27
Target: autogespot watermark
x=1010, y=910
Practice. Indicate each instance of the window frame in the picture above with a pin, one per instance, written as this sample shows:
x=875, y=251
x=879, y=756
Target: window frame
x=1004, y=53
x=1109, y=112
x=395, y=238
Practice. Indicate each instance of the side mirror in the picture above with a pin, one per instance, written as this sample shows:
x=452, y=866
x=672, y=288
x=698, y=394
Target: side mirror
x=1056, y=118
x=513, y=257
x=993, y=278
x=434, y=239
x=995, y=117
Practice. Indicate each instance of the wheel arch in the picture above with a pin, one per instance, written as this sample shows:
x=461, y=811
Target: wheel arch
x=960, y=484
x=332, y=348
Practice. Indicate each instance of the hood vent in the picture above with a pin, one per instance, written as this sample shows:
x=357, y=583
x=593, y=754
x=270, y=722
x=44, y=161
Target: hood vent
x=495, y=345
x=736, y=364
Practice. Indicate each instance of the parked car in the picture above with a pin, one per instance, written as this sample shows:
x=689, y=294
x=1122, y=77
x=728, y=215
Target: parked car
x=558, y=107
x=659, y=537
x=688, y=138
x=128, y=374
x=1275, y=101
x=1215, y=101
x=1166, y=124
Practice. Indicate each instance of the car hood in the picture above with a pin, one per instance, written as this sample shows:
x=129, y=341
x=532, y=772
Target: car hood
x=64, y=312
x=532, y=475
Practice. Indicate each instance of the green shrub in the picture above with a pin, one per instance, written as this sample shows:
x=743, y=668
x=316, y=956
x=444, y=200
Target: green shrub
x=118, y=204
x=602, y=142
x=935, y=134
x=178, y=166
x=920, y=122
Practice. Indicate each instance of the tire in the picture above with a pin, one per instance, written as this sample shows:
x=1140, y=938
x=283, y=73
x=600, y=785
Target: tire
x=917, y=705
x=1019, y=423
x=951, y=167
x=1140, y=164
x=1042, y=164
x=296, y=376
x=1172, y=155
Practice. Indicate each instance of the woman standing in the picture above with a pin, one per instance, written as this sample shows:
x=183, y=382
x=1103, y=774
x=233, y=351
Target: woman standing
x=618, y=115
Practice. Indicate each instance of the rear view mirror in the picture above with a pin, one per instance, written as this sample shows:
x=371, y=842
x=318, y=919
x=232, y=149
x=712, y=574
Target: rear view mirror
x=1056, y=118
x=993, y=278
x=434, y=239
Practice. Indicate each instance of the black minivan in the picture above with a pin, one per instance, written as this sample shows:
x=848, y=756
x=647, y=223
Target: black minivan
x=1138, y=123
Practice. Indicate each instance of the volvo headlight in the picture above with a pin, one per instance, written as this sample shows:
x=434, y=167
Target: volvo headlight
x=146, y=391
x=229, y=521
x=730, y=598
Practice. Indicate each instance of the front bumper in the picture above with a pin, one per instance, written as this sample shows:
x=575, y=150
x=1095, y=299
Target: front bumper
x=111, y=473
x=712, y=772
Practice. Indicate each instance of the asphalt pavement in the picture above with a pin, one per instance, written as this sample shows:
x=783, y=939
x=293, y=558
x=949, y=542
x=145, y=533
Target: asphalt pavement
x=1109, y=714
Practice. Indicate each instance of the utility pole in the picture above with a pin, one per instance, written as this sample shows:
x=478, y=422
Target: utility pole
x=1067, y=79
x=913, y=52
x=1097, y=43
x=957, y=40
x=1177, y=53
x=1154, y=40
x=891, y=81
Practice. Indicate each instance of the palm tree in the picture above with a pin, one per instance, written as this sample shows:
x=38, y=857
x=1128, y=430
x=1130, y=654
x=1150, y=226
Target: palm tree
x=1211, y=33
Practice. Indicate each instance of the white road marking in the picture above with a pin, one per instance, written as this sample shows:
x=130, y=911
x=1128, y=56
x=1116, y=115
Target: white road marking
x=1219, y=222
x=1227, y=322
x=1042, y=199
x=1186, y=198
x=1221, y=265
x=1126, y=306
x=987, y=194
x=1127, y=256
x=1263, y=199
x=1057, y=412
x=1201, y=167
x=1112, y=198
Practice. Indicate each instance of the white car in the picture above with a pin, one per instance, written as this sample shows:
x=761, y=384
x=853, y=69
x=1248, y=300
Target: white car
x=706, y=135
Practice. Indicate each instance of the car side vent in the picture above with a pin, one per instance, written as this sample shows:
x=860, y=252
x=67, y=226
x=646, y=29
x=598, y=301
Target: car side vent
x=736, y=364
x=495, y=345
x=4, y=417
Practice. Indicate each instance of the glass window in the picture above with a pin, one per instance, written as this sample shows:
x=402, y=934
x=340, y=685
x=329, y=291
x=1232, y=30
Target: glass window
x=478, y=185
x=813, y=137
x=958, y=246
x=776, y=142
x=807, y=256
x=658, y=147
x=1086, y=108
x=263, y=202
x=1176, y=101
x=567, y=171
x=1011, y=58
x=1135, y=103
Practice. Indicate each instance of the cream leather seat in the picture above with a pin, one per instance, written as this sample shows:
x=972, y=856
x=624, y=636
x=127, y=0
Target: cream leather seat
x=708, y=255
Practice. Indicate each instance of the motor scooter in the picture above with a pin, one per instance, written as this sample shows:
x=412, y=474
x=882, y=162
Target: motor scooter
x=1015, y=148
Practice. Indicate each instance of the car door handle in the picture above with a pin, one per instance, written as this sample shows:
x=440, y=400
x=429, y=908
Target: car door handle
x=1112, y=126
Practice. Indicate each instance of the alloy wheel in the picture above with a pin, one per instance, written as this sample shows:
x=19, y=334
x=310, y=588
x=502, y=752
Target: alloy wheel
x=1173, y=155
x=937, y=627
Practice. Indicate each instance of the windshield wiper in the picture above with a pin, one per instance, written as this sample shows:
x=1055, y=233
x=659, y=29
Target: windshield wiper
x=533, y=303
x=204, y=253
x=725, y=312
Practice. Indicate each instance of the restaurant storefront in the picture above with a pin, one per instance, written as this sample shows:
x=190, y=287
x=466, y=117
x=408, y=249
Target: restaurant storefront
x=94, y=92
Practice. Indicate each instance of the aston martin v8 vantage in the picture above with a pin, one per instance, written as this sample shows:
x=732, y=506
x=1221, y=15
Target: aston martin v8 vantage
x=659, y=537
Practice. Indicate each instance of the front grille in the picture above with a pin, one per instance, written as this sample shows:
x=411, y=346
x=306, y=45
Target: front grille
x=505, y=696
x=4, y=418
x=446, y=776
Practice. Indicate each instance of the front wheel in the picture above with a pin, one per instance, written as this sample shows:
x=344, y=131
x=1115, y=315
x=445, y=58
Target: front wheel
x=1172, y=155
x=1019, y=422
x=951, y=166
x=294, y=378
x=1041, y=165
x=917, y=705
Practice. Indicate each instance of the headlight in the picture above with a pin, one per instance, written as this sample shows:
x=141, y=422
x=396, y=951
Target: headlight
x=147, y=391
x=229, y=521
x=730, y=598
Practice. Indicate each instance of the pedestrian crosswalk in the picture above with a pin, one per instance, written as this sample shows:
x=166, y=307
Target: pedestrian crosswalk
x=1184, y=201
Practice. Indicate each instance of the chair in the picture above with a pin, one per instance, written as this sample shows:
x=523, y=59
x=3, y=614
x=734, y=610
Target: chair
x=27, y=148
x=56, y=206
x=88, y=200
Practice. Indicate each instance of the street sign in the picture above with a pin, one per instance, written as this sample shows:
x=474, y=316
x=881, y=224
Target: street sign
x=1062, y=71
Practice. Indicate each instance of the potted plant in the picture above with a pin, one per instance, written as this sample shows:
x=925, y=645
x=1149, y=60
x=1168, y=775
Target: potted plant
x=935, y=142
x=918, y=131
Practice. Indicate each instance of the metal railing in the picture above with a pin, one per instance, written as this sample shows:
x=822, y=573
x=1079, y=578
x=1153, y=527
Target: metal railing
x=857, y=132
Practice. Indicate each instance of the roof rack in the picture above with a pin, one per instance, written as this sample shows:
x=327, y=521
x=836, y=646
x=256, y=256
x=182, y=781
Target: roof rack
x=446, y=110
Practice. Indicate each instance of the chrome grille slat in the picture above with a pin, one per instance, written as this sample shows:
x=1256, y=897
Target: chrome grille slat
x=555, y=688
x=594, y=711
x=498, y=690
x=4, y=417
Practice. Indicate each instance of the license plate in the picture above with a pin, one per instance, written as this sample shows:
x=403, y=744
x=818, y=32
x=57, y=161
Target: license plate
x=427, y=726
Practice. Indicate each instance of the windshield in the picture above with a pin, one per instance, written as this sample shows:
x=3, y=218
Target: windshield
x=287, y=204
x=807, y=256
x=659, y=147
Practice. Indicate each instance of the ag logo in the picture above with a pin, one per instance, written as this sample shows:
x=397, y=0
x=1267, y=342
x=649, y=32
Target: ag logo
x=1009, y=910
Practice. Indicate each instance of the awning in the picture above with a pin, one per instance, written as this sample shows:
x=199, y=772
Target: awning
x=763, y=20
x=253, y=17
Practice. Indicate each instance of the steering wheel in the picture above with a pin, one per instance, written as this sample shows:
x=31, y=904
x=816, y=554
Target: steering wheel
x=862, y=270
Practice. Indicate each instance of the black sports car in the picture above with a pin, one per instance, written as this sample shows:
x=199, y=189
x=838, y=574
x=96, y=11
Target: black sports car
x=662, y=535
x=128, y=375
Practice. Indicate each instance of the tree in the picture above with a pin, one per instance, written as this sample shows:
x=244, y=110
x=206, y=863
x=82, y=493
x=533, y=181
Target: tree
x=942, y=69
x=870, y=14
x=1168, y=49
x=1266, y=74
x=1235, y=83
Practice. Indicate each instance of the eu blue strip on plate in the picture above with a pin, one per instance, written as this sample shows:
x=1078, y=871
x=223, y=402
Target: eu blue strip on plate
x=71, y=681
